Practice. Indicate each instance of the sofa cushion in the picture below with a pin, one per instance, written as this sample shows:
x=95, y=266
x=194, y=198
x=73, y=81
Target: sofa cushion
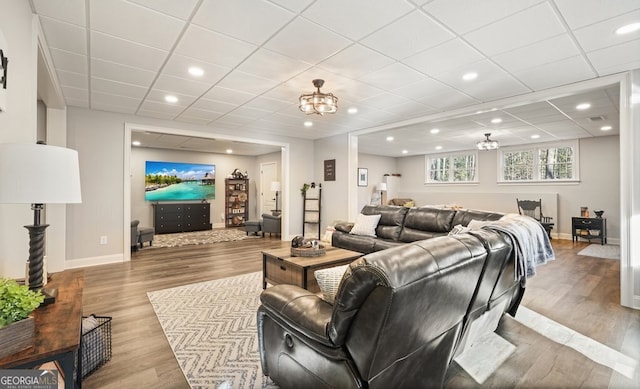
x=391, y=219
x=365, y=225
x=426, y=222
x=383, y=244
x=362, y=244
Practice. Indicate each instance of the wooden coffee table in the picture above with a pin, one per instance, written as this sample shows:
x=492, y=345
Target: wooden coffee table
x=279, y=267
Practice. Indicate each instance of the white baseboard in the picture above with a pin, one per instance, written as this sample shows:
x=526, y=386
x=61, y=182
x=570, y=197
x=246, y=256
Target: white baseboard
x=93, y=261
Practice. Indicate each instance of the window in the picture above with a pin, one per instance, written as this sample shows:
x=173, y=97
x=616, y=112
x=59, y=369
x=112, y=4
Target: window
x=451, y=168
x=543, y=162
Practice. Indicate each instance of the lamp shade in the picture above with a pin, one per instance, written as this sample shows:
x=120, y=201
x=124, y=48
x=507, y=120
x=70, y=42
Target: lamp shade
x=382, y=186
x=38, y=174
x=275, y=186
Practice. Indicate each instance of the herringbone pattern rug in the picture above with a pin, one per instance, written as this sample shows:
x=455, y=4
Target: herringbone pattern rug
x=211, y=327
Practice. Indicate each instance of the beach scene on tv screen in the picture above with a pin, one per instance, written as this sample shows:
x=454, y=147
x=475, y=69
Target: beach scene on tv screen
x=173, y=181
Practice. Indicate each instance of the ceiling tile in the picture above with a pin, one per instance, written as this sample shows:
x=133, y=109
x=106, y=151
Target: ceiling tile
x=263, y=18
x=392, y=76
x=180, y=9
x=524, y=28
x=75, y=80
x=295, y=38
x=463, y=16
x=213, y=47
x=228, y=95
x=117, y=88
x=156, y=114
x=121, y=73
x=113, y=108
x=268, y=64
x=75, y=93
x=617, y=58
x=454, y=54
x=106, y=99
x=251, y=113
x=579, y=13
x=65, y=36
x=170, y=109
x=202, y=114
x=218, y=107
x=178, y=66
x=410, y=34
x=293, y=5
x=158, y=95
x=603, y=34
x=357, y=18
x=556, y=73
x=368, y=61
x=181, y=86
x=71, y=11
x=70, y=62
x=111, y=48
x=539, y=53
x=131, y=22
x=267, y=104
x=247, y=83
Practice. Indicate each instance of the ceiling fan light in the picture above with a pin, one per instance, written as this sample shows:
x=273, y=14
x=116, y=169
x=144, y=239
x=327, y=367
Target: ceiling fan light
x=318, y=102
x=487, y=144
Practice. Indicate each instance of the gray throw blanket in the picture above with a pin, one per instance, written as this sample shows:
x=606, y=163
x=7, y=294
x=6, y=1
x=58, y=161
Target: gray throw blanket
x=531, y=243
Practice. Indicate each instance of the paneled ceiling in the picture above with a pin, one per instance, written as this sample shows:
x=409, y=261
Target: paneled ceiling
x=392, y=60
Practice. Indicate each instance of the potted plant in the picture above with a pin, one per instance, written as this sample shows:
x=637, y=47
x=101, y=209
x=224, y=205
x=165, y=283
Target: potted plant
x=17, y=302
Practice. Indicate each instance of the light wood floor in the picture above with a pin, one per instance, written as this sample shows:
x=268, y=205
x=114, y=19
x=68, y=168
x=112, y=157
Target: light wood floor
x=579, y=292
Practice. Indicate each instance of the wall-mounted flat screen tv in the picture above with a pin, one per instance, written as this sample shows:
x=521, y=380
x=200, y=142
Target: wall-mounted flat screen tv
x=178, y=181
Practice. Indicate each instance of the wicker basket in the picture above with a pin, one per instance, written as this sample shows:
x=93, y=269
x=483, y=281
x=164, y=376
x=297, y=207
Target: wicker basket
x=308, y=251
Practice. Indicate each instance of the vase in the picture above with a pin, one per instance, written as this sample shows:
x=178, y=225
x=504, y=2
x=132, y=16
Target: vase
x=16, y=336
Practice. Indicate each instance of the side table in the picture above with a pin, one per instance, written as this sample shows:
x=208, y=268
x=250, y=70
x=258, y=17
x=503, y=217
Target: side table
x=589, y=228
x=57, y=329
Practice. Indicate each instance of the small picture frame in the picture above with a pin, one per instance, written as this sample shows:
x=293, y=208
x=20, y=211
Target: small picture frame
x=363, y=176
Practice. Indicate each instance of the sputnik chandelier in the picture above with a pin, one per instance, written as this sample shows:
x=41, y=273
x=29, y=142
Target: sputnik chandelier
x=318, y=102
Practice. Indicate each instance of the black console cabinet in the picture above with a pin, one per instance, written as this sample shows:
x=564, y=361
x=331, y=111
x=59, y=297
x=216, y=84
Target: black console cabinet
x=184, y=217
x=589, y=228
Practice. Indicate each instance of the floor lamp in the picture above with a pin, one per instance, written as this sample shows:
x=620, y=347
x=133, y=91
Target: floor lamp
x=275, y=187
x=38, y=174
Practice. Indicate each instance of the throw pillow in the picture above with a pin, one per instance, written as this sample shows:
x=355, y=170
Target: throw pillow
x=366, y=225
x=476, y=224
x=329, y=281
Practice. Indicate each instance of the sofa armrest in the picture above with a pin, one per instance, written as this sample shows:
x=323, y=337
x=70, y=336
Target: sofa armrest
x=299, y=310
x=344, y=227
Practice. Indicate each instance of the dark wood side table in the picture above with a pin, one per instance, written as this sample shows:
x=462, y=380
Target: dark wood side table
x=279, y=267
x=57, y=329
x=589, y=228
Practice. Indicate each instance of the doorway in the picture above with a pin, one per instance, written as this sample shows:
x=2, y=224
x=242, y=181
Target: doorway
x=268, y=175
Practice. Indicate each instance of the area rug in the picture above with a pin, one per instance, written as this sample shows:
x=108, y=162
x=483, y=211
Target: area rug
x=199, y=237
x=211, y=328
x=601, y=251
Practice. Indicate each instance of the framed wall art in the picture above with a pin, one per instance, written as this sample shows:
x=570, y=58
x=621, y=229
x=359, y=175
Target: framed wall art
x=363, y=176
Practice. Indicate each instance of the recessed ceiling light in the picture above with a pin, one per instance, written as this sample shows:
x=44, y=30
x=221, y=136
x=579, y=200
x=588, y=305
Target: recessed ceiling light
x=196, y=71
x=535, y=136
x=470, y=76
x=435, y=130
x=136, y=143
x=389, y=138
x=583, y=106
x=629, y=28
x=496, y=120
x=170, y=99
x=352, y=110
x=308, y=123
x=405, y=151
x=605, y=128
x=438, y=147
x=229, y=151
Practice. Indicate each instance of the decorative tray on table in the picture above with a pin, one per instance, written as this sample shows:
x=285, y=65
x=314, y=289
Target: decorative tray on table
x=308, y=251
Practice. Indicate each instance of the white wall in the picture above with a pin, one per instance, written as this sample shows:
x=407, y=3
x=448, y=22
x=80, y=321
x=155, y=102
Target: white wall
x=334, y=193
x=377, y=167
x=17, y=124
x=599, y=187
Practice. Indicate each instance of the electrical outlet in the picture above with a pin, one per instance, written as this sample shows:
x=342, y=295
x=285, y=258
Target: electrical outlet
x=103, y=239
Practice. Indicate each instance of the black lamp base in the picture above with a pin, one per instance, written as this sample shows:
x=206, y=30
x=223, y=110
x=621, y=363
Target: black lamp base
x=50, y=295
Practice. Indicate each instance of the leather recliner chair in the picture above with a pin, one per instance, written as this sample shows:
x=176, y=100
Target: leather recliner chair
x=397, y=320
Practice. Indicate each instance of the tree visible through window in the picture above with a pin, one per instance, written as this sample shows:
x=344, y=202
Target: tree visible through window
x=540, y=162
x=451, y=168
